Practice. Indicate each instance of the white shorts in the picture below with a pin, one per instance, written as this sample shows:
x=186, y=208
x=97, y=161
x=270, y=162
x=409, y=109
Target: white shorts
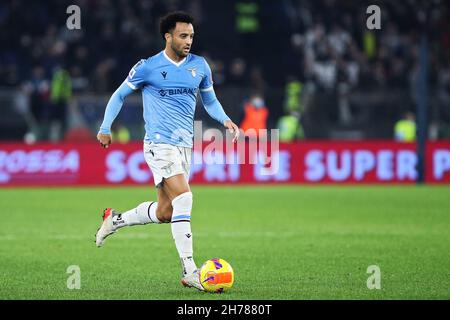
x=166, y=161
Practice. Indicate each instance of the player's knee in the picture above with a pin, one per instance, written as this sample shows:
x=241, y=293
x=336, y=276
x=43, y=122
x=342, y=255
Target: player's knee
x=183, y=200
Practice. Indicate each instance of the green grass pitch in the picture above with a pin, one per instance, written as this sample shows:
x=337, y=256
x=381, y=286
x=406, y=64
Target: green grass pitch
x=284, y=242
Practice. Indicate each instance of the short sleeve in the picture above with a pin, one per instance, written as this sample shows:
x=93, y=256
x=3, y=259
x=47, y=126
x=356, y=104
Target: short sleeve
x=207, y=82
x=137, y=76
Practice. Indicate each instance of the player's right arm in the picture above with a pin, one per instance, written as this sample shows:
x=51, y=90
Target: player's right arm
x=134, y=81
x=112, y=110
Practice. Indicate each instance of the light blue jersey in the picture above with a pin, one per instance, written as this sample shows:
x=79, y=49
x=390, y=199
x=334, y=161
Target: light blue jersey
x=169, y=93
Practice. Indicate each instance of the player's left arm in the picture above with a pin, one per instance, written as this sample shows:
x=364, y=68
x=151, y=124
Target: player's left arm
x=215, y=111
x=213, y=106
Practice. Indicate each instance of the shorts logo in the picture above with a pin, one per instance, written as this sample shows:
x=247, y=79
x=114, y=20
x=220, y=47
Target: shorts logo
x=167, y=168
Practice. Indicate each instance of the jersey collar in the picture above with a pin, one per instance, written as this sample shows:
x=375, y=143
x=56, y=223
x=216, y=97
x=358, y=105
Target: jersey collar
x=170, y=60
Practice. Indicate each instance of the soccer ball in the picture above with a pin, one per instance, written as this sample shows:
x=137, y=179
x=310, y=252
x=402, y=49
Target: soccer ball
x=216, y=275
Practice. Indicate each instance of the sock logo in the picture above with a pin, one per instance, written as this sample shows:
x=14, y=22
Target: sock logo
x=184, y=267
x=188, y=235
x=118, y=220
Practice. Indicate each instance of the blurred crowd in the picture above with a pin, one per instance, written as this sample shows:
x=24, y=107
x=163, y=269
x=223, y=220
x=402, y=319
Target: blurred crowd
x=321, y=45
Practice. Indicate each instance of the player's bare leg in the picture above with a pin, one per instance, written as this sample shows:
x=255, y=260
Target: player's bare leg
x=144, y=213
x=177, y=189
x=164, y=209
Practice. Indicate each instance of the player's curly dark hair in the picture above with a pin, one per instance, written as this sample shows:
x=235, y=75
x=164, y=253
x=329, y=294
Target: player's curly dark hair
x=169, y=21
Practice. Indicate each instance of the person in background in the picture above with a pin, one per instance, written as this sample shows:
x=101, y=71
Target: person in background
x=61, y=93
x=292, y=95
x=120, y=133
x=38, y=91
x=405, y=128
x=255, y=115
x=290, y=127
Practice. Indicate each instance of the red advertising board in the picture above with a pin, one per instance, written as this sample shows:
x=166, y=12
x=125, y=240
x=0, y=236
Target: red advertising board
x=301, y=162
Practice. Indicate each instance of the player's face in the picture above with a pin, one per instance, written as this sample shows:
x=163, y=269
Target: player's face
x=181, y=38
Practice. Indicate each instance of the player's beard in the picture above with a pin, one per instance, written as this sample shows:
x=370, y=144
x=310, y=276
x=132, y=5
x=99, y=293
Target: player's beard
x=179, y=52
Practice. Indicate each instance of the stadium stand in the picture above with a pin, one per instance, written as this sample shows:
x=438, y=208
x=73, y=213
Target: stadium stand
x=356, y=83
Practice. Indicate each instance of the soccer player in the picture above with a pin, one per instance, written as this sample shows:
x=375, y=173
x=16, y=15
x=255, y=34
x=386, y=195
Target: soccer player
x=169, y=82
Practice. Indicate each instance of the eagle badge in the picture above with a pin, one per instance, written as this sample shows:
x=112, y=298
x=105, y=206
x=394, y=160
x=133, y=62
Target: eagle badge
x=193, y=71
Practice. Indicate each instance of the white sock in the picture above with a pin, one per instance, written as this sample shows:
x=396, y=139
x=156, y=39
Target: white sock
x=181, y=231
x=143, y=214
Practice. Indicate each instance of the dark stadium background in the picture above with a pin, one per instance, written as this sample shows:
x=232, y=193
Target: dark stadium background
x=378, y=85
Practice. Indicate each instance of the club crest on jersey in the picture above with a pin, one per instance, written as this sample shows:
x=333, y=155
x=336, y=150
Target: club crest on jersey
x=193, y=71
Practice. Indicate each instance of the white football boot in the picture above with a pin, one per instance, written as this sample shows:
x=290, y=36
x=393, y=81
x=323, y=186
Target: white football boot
x=107, y=228
x=193, y=281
